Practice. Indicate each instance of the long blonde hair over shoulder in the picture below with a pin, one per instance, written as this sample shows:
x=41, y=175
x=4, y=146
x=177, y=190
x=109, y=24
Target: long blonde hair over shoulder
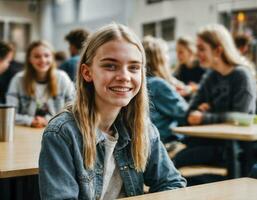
x=134, y=115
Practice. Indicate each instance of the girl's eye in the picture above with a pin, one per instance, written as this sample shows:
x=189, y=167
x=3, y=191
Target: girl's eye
x=109, y=66
x=134, y=68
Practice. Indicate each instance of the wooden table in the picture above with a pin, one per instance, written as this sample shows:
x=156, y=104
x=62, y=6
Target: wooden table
x=220, y=131
x=231, y=133
x=20, y=157
x=236, y=189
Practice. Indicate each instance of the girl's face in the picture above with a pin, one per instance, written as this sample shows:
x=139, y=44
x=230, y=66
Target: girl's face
x=205, y=53
x=183, y=54
x=41, y=58
x=116, y=72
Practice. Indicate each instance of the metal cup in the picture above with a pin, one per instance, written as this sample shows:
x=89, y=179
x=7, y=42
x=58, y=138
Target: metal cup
x=7, y=118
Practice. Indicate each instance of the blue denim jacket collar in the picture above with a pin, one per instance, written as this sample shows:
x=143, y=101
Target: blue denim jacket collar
x=124, y=137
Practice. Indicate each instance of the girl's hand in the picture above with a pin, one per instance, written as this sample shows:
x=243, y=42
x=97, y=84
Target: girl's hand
x=195, y=118
x=204, y=107
x=39, y=122
x=194, y=86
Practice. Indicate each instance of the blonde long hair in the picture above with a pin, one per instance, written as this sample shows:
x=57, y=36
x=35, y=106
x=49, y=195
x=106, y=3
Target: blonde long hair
x=135, y=114
x=156, y=60
x=29, y=79
x=217, y=35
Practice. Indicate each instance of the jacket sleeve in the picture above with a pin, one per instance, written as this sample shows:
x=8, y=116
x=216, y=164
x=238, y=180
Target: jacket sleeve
x=13, y=98
x=56, y=168
x=168, y=102
x=160, y=173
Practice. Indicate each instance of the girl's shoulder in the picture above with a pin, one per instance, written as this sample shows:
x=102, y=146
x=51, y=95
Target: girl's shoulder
x=19, y=75
x=62, y=127
x=242, y=72
x=61, y=74
x=63, y=78
x=157, y=82
x=61, y=122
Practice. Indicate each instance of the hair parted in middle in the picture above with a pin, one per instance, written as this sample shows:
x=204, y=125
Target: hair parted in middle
x=135, y=114
x=30, y=72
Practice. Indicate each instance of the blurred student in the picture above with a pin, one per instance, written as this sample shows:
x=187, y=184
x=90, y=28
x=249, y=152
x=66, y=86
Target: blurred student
x=189, y=70
x=228, y=87
x=60, y=58
x=76, y=39
x=40, y=91
x=6, y=56
x=104, y=146
x=167, y=107
x=242, y=42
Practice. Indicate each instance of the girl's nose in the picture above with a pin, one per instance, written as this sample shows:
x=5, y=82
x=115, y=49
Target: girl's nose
x=123, y=75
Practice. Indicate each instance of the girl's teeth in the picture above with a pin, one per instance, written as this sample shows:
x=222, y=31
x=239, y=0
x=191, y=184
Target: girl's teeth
x=120, y=89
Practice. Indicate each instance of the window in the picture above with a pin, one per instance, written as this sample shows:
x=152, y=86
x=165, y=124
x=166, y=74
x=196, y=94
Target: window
x=168, y=27
x=164, y=29
x=1, y=30
x=19, y=34
x=153, y=1
x=149, y=29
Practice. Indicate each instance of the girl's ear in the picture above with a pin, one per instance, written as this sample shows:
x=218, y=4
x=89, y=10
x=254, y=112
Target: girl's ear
x=86, y=73
x=219, y=51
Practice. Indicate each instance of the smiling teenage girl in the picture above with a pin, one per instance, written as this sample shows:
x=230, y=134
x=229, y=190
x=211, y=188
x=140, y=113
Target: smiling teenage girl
x=103, y=146
x=40, y=91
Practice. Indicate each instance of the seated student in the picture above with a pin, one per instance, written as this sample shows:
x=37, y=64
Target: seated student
x=242, y=42
x=104, y=146
x=167, y=107
x=5, y=59
x=40, y=91
x=76, y=39
x=228, y=86
x=60, y=58
x=188, y=70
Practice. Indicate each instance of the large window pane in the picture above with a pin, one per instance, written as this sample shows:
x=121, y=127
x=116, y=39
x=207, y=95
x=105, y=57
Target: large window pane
x=1, y=30
x=167, y=29
x=19, y=35
x=149, y=29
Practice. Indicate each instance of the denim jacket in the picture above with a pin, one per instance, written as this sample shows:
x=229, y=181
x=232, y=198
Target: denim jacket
x=26, y=106
x=167, y=108
x=62, y=174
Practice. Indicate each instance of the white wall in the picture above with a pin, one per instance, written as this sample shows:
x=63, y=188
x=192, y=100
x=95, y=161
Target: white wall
x=52, y=26
x=189, y=14
x=92, y=15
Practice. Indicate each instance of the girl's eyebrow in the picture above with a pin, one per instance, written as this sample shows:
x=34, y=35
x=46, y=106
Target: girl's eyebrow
x=115, y=60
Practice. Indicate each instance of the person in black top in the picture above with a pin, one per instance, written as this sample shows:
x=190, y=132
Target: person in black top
x=188, y=70
x=228, y=86
x=8, y=67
